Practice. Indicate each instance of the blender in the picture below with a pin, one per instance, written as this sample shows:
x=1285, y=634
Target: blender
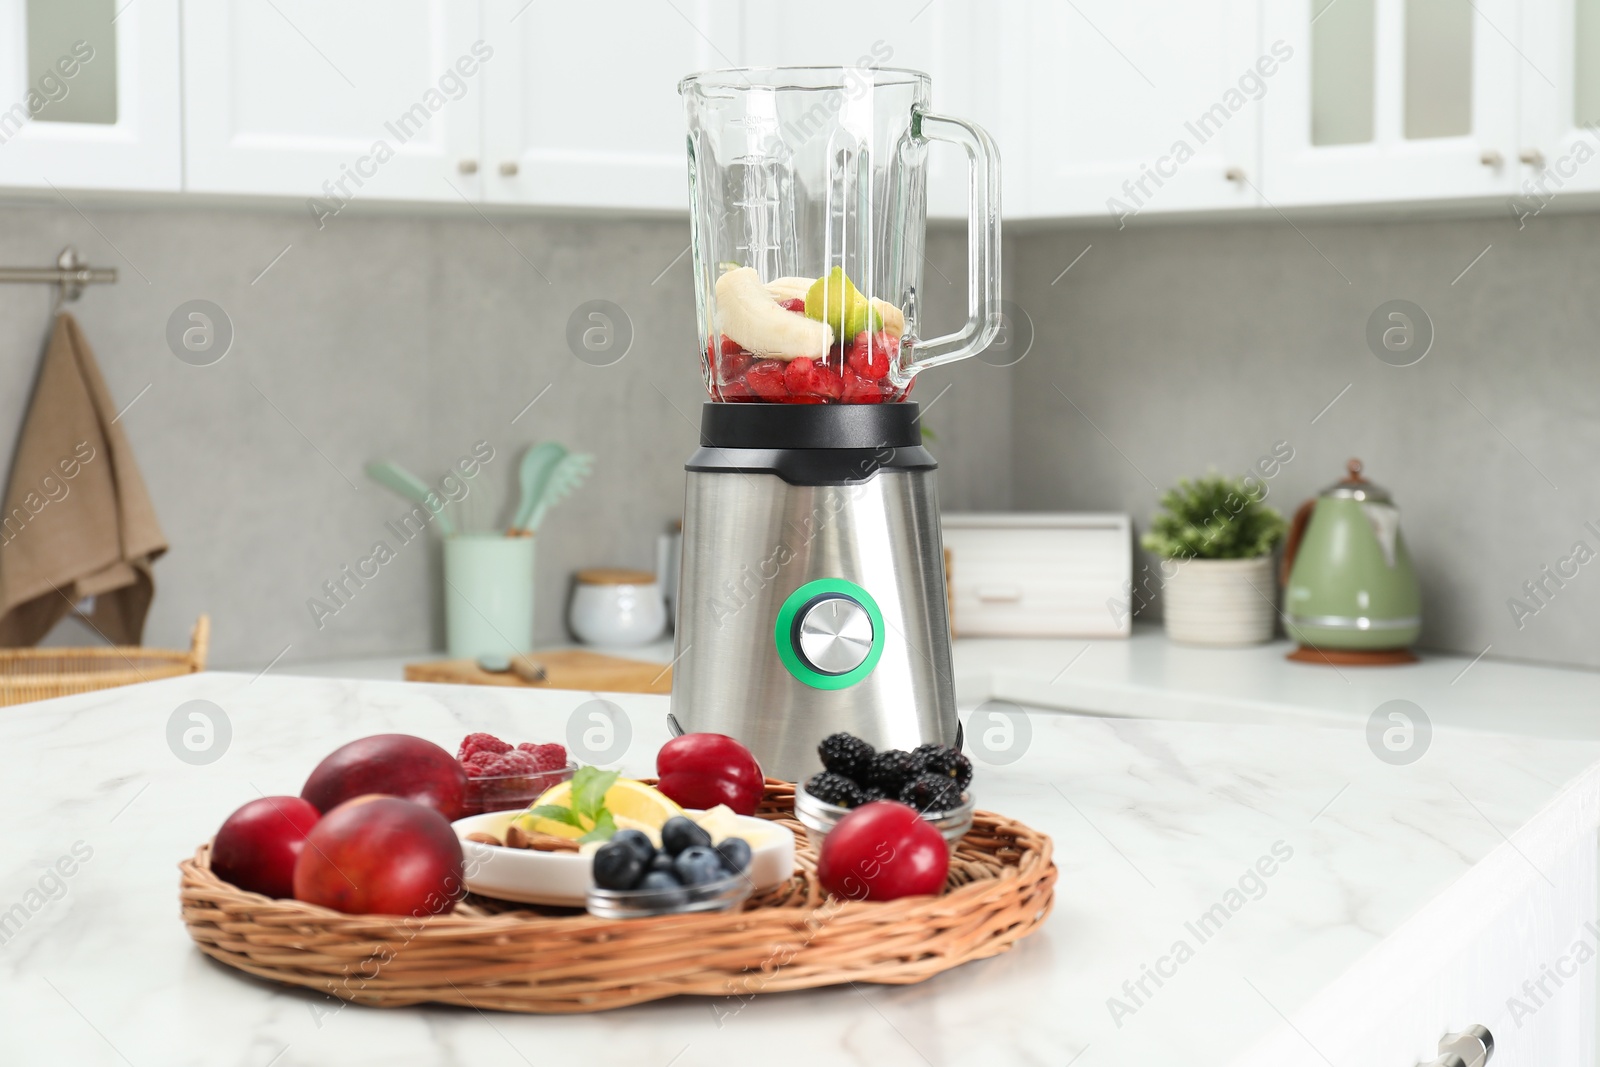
x=812, y=593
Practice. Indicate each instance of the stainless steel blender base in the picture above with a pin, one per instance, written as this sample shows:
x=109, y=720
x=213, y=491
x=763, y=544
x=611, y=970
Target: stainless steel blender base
x=751, y=540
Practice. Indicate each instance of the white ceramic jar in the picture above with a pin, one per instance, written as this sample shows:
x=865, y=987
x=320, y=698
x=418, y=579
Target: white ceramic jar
x=1220, y=601
x=616, y=607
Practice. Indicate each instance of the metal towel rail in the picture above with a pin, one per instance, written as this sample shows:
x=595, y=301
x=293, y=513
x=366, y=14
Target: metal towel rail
x=69, y=275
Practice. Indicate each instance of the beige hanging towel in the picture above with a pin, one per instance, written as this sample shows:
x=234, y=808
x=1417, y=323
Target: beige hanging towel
x=77, y=521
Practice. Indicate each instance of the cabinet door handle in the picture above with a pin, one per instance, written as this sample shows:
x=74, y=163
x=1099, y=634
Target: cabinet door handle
x=1234, y=175
x=508, y=169
x=1491, y=157
x=468, y=166
x=1532, y=157
x=1472, y=1047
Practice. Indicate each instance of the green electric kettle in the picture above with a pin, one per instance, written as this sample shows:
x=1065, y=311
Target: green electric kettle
x=1351, y=594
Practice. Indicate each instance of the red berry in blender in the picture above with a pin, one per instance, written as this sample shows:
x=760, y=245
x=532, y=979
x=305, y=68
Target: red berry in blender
x=794, y=304
x=871, y=353
x=765, y=380
x=859, y=390
x=807, y=377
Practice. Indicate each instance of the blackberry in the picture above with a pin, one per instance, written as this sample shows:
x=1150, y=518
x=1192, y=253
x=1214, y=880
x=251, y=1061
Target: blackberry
x=891, y=769
x=872, y=793
x=846, y=754
x=931, y=793
x=963, y=771
x=936, y=759
x=831, y=788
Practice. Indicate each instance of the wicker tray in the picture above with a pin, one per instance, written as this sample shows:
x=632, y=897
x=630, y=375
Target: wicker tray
x=28, y=674
x=515, y=958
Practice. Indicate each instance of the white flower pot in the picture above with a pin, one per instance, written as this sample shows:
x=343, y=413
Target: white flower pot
x=1219, y=601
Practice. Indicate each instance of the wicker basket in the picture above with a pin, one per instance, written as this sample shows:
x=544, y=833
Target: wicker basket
x=28, y=674
x=490, y=955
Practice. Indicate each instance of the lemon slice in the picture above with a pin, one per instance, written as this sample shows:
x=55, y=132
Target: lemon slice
x=628, y=799
x=632, y=804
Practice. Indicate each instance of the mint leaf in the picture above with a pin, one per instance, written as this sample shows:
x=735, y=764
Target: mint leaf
x=604, y=827
x=557, y=813
x=589, y=787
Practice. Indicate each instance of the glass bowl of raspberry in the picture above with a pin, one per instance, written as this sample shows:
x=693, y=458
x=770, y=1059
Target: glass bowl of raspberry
x=504, y=777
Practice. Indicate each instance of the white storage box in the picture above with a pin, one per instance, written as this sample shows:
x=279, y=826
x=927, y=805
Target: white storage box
x=1039, y=574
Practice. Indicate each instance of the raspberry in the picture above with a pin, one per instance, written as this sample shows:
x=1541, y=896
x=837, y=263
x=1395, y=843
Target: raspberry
x=871, y=354
x=793, y=304
x=730, y=347
x=498, y=766
x=545, y=757
x=765, y=379
x=475, y=743
x=807, y=377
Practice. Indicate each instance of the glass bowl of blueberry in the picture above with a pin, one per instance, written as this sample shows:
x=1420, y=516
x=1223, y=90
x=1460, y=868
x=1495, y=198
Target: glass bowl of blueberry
x=932, y=778
x=634, y=879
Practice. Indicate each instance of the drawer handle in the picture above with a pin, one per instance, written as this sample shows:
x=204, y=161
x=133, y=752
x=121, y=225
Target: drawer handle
x=1006, y=594
x=1472, y=1047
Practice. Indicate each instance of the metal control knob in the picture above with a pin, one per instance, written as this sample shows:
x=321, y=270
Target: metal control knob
x=1473, y=1047
x=833, y=634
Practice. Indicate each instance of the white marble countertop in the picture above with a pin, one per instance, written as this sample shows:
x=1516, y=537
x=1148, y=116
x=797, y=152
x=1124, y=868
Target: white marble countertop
x=1153, y=823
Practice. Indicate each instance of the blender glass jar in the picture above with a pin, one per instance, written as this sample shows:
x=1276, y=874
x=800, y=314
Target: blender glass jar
x=808, y=211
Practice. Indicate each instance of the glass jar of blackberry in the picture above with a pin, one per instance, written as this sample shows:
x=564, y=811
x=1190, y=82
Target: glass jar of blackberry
x=931, y=778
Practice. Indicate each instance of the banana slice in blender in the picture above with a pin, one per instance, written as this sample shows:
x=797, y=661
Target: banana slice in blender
x=894, y=320
x=749, y=314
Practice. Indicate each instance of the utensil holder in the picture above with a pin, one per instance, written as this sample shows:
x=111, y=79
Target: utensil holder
x=488, y=595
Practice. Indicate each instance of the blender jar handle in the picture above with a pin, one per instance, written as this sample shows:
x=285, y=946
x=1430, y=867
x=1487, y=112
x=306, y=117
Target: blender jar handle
x=983, y=243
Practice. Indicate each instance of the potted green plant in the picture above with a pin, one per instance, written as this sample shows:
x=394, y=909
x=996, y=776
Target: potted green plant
x=1215, y=537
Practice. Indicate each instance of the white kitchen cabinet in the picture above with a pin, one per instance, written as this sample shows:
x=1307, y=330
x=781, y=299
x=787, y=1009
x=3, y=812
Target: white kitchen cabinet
x=1509, y=946
x=341, y=102
x=1392, y=100
x=1560, y=95
x=1129, y=111
x=957, y=43
x=581, y=105
x=89, y=96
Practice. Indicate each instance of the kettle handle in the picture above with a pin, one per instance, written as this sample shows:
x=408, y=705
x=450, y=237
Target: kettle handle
x=1291, y=544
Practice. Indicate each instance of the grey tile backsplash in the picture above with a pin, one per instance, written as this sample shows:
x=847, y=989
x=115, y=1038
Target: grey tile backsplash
x=1164, y=350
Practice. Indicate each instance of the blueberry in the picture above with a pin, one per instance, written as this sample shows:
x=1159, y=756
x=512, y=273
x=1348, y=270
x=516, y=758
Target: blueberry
x=679, y=833
x=617, y=866
x=660, y=862
x=699, y=864
x=735, y=853
x=661, y=882
x=636, y=840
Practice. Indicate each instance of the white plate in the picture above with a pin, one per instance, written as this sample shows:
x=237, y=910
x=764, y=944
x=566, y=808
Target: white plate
x=563, y=878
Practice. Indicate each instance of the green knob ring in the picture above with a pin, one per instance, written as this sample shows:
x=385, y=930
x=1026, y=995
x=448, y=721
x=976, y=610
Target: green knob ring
x=783, y=633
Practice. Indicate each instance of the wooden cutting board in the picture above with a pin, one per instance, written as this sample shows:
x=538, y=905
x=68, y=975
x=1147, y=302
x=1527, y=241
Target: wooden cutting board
x=567, y=668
